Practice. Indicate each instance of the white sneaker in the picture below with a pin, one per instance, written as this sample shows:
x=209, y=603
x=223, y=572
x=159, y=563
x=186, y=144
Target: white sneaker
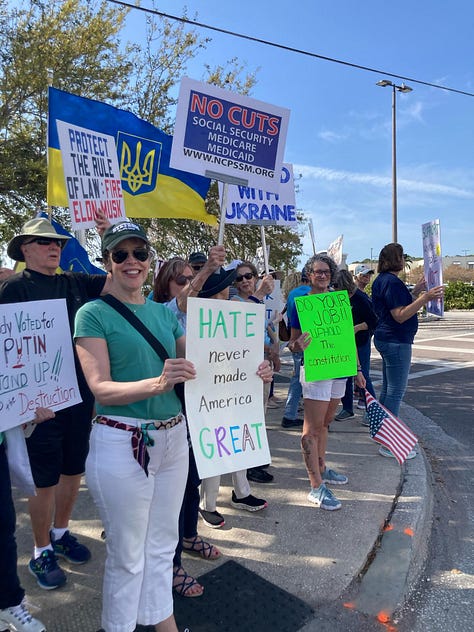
x=18, y=619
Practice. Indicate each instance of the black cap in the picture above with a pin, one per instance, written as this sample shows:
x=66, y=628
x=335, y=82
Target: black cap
x=197, y=257
x=217, y=282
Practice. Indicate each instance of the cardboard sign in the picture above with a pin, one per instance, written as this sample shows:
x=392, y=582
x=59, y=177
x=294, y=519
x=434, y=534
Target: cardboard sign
x=228, y=134
x=36, y=361
x=92, y=175
x=433, y=263
x=248, y=205
x=327, y=318
x=224, y=404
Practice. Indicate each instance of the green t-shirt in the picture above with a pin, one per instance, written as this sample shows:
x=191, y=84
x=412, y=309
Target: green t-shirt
x=131, y=357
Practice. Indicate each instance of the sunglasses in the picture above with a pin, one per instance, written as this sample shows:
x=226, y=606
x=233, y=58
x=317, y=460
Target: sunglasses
x=197, y=266
x=241, y=277
x=182, y=279
x=47, y=241
x=119, y=256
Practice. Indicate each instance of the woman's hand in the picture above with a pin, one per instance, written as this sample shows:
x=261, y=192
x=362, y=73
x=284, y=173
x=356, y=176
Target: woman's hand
x=300, y=344
x=419, y=287
x=360, y=379
x=43, y=414
x=102, y=222
x=175, y=370
x=434, y=294
x=265, y=371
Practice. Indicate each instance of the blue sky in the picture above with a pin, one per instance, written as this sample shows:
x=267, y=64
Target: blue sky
x=340, y=131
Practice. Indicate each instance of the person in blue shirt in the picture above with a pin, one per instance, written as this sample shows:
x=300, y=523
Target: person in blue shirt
x=397, y=325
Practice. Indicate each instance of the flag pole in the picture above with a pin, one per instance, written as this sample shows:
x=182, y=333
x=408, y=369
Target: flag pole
x=264, y=246
x=220, y=236
x=311, y=232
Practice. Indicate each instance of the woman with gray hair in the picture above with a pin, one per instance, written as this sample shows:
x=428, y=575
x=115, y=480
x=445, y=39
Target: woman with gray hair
x=321, y=397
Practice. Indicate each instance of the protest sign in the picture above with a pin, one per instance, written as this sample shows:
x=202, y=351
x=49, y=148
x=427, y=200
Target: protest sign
x=327, y=318
x=36, y=362
x=433, y=263
x=274, y=302
x=248, y=205
x=224, y=404
x=222, y=133
x=92, y=175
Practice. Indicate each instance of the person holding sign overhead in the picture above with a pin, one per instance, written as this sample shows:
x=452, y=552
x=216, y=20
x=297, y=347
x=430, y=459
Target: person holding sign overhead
x=321, y=398
x=138, y=460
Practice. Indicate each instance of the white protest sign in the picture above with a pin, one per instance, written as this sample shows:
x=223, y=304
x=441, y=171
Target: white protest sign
x=248, y=205
x=36, y=361
x=335, y=250
x=433, y=263
x=274, y=302
x=224, y=404
x=228, y=134
x=92, y=175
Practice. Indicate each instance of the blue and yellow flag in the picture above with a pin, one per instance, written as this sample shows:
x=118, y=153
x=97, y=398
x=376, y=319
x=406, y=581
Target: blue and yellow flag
x=150, y=187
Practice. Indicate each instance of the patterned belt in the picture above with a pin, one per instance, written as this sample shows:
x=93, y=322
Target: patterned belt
x=140, y=438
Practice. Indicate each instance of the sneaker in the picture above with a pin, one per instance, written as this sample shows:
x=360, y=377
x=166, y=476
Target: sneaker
x=324, y=498
x=361, y=404
x=18, y=619
x=388, y=453
x=69, y=548
x=258, y=475
x=213, y=519
x=291, y=423
x=365, y=421
x=273, y=403
x=344, y=414
x=331, y=476
x=249, y=503
x=46, y=570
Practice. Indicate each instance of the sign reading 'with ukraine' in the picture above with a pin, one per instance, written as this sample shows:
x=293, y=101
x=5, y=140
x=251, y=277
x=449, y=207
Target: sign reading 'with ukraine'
x=101, y=157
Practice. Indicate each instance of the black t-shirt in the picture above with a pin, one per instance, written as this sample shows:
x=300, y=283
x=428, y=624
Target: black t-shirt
x=77, y=288
x=363, y=312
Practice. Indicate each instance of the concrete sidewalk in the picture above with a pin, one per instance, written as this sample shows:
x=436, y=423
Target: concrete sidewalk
x=313, y=554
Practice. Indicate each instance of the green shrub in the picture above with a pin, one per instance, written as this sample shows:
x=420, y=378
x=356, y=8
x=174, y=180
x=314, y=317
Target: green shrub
x=458, y=295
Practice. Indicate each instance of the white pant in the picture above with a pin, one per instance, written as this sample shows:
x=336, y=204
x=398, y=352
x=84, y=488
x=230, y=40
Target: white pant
x=140, y=518
x=210, y=489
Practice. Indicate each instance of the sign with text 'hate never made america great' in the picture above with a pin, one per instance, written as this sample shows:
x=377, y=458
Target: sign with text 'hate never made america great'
x=229, y=135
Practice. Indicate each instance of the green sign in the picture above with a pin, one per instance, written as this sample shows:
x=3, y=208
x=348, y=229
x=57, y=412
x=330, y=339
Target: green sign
x=327, y=318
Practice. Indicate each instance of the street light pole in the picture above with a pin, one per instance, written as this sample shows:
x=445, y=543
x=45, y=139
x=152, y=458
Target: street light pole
x=403, y=88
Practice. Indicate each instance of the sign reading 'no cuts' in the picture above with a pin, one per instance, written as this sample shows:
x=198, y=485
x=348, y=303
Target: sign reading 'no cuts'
x=224, y=404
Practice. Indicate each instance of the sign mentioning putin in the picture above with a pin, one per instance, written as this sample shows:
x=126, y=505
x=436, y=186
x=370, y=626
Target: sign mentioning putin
x=228, y=134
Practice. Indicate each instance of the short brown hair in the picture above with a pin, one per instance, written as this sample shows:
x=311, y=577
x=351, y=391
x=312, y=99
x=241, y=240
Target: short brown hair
x=168, y=271
x=391, y=258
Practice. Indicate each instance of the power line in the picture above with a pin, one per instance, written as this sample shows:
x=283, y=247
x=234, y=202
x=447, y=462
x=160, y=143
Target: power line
x=288, y=48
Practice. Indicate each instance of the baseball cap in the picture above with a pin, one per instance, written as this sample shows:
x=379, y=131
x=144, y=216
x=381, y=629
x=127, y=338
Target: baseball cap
x=362, y=269
x=121, y=231
x=197, y=258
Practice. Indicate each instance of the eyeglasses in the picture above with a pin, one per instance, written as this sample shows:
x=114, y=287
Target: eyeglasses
x=197, y=266
x=182, y=279
x=326, y=273
x=241, y=277
x=119, y=256
x=46, y=241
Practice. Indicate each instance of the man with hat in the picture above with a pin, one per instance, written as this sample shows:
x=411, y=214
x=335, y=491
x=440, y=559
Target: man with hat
x=362, y=276
x=197, y=260
x=58, y=447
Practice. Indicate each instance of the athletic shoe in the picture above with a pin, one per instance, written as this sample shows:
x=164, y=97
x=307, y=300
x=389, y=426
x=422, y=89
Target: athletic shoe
x=18, y=619
x=46, y=570
x=273, y=403
x=258, y=475
x=365, y=421
x=361, y=404
x=69, y=548
x=249, y=503
x=386, y=452
x=291, y=423
x=324, y=498
x=343, y=414
x=213, y=519
x=331, y=476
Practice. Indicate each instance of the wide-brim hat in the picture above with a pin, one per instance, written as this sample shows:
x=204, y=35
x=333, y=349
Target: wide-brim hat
x=217, y=282
x=121, y=231
x=38, y=227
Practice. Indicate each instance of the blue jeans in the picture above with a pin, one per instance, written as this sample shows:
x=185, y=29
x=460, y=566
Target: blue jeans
x=294, y=390
x=396, y=360
x=11, y=593
x=364, y=359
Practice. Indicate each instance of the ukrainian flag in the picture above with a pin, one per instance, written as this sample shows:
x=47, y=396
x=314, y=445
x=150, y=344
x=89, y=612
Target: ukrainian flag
x=150, y=187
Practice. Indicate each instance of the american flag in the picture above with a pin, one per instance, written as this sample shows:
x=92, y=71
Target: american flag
x=388, y=430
